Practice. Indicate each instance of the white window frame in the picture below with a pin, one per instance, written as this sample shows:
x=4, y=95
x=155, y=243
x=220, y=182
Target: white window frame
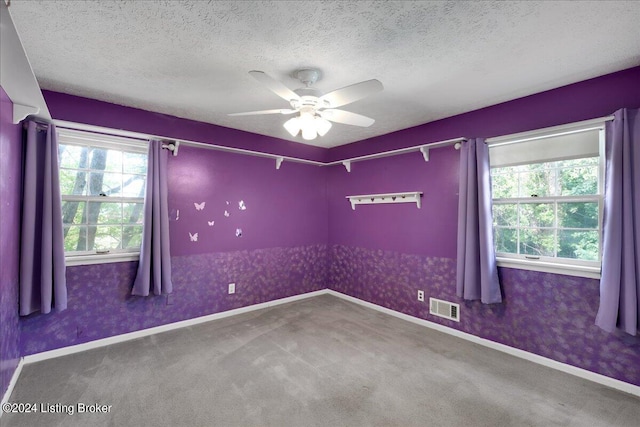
x=91, y=139
x=565, y=266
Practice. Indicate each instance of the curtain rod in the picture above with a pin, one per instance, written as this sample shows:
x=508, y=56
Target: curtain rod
x=546, y=132
x=424, y=148
x=118, y=132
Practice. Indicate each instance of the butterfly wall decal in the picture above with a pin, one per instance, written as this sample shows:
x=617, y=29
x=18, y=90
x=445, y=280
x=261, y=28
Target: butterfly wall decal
x=193, y=237
x=199, y=206
x=211, y=223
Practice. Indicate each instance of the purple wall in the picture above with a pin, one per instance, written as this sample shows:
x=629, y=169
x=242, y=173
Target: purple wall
x=282, y=250
x=10, y=182
x=300, y=234
x=430, y=230
x=385, y=253
x=284, y=208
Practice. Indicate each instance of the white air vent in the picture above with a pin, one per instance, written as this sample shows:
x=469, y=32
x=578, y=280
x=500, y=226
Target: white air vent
x=445, y=309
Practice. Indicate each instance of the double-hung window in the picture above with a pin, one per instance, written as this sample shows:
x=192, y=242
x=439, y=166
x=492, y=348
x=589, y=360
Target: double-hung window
x=102, y=182
x=547, y=201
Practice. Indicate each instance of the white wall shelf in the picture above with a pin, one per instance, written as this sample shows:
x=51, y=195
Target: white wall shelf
x=374, y=199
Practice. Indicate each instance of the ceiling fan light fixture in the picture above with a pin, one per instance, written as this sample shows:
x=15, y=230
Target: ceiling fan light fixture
x=309, y=132
x=292, y=126
x=310, y=125
x=322, y=126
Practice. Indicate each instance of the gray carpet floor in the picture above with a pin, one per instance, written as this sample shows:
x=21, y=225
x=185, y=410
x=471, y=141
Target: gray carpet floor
x=321, y=361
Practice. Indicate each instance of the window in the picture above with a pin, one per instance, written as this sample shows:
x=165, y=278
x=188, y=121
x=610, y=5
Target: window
x=547, y=201
x=102, y=182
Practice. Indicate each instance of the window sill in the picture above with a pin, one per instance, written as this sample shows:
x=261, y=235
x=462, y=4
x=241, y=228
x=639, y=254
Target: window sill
x=550, y=267
x=74, y=260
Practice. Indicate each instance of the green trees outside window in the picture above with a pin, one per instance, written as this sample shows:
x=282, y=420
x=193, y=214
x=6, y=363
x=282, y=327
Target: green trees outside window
x=102, y=191
x=548, y=209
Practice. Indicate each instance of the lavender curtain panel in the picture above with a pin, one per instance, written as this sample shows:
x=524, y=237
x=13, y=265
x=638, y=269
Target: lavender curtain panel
x=620, y=278
x=42, y=270
x=477, y=275
x=154, y=269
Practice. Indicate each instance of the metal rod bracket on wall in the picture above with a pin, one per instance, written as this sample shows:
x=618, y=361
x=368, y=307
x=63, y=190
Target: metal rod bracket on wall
x=425, y=153
x=173, y=147
x=279, y=161
x=347, y=165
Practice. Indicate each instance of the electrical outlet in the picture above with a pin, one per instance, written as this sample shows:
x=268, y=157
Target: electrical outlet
x=232, y=288
x=421, y=296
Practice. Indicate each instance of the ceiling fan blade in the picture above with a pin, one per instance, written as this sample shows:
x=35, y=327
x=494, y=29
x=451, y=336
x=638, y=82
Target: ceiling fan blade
x=349, y=94
x=274, y=85
x=346, y=117
x=254, y=113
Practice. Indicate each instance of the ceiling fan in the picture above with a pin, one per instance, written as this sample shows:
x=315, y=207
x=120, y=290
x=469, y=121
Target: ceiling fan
x=316, y=111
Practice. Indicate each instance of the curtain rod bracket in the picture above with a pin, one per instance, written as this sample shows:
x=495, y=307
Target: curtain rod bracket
x=425, y=152
x=347, y=165
x=173, y=147
x=279, y=161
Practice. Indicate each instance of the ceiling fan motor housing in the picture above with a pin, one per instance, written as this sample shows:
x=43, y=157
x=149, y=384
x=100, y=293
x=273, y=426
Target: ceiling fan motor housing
x=308, y=76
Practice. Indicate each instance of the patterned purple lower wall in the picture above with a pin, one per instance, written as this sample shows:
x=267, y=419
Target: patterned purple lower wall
x=546, y=314
x=100, y=305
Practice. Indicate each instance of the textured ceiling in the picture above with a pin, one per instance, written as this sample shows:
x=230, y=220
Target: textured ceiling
x=435, y=59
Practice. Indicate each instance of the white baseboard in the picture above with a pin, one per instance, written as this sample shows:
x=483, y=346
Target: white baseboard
x=12, y=384
x=37, y=357
x=535, y=358
x=579, y=372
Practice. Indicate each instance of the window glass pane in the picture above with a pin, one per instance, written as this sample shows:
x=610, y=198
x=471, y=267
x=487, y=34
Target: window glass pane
x=72, y=212
x=578, y=181
x=537, y=215
x=72, y=156
x=72, y=236
x=573, y=163
x=133, y=185
x=578, y=244
x=98, y=158
x=72, y=182
x=133, y=213
x=538, y=242
x=114, y=161
x=94, y=183
x=505, y=214
x=131, y=237
x=504, y=183
x=108, y=213
x=506, y=239
x=135, y=163
x=578, y=215
x=107, y=237
x=110, y=184
x=538, y=182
